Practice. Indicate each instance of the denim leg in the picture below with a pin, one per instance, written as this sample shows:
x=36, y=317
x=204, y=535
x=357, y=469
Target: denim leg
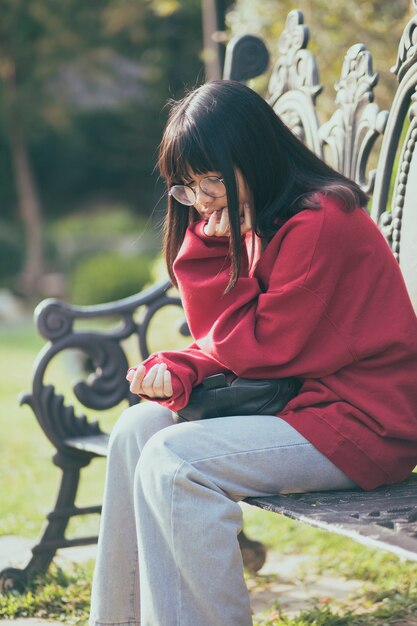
x=115, y=591
x=188, y=483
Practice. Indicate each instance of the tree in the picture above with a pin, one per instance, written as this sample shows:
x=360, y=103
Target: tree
x=137, y=50
x=34, y=41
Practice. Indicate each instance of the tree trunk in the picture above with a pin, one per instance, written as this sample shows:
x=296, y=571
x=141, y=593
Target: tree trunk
x=29, y=208
x=211, y=52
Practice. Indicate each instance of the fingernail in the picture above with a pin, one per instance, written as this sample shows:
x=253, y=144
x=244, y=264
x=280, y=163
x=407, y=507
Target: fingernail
x=129, y=371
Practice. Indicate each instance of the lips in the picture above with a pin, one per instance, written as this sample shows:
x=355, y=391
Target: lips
x=206, y=217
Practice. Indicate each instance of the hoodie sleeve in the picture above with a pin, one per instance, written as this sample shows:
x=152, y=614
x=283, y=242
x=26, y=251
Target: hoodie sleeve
x=188, y=367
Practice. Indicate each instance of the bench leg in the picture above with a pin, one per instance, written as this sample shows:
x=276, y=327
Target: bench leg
x=53, y=536
x=253, y=553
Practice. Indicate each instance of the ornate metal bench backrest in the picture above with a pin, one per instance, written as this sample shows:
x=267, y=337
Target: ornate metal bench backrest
x=399, y=221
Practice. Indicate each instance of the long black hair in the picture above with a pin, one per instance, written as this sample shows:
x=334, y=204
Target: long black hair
x=224, y=125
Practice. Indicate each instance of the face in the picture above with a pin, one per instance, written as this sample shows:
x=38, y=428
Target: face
x=206, y=205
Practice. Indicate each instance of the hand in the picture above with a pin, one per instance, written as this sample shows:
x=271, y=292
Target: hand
x=157, y=383
x=221, y=228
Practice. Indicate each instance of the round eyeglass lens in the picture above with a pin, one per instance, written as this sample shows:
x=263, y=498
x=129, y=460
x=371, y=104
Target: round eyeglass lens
x=183, y=194
x=213, y=187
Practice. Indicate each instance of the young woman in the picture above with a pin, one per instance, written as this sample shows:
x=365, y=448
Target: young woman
x=281, y=273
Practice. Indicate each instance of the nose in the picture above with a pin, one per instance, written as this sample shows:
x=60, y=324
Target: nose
x=202, y=198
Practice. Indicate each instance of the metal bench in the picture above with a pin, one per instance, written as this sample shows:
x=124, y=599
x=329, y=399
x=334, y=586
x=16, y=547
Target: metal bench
x=385, y=518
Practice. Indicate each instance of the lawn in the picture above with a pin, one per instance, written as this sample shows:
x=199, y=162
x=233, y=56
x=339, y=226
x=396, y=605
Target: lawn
x=29, y=482
x=25, y=453
x=26, y=465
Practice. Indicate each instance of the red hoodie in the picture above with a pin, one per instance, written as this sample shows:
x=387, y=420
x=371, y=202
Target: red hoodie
x=325, y=302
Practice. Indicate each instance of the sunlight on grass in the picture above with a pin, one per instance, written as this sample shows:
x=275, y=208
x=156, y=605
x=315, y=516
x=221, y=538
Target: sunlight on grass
x=63, y=596
x=25, y=453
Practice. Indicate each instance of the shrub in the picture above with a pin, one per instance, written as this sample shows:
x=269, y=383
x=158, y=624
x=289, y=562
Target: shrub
x=109, y=276
x=12, y=253
x=87, y=233
x=11, y=259
x=103, y=221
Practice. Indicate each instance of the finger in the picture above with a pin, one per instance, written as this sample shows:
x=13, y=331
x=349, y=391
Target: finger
x=158, y=383
x=130, y=373
x=148, y=381
x=223, y=227
x=210, y=227
x=247, y=223
x=168, y=391
x=241, y=214
x=248, y=215
x=136, y=381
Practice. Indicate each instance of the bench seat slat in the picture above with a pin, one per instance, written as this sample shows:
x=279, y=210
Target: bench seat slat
x=96, y=444
x=385, y=518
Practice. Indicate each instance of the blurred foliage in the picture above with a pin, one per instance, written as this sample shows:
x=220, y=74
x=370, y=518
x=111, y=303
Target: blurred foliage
x=104, y=221
x=11, y=253
x=83, y=86
x=89, y=82
x=110, y=227
x=109, y=276
x=86, y=83
x=334, y=28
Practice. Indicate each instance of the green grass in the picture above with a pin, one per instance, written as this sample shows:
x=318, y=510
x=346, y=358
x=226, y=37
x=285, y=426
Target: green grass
x=388, y=597
x=59, y=595
x=25, y=453
x=389, y=593
x=26, y=467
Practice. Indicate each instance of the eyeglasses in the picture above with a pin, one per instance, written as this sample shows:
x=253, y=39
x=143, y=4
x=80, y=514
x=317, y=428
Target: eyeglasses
x=210, y=185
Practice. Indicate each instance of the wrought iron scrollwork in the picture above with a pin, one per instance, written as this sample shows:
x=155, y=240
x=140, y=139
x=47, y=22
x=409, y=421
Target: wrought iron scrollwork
x=294, y=83
x=106, y=385
x=246, y=57
x=54, y=319
x=58, y=420
x=391, y=222
x=385, y=225
x=407, y=48
x=296, y=67
x=404, y=101
x=394, y=518
x=352, y=130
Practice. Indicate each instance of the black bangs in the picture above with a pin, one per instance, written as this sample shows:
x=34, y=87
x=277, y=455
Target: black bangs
x=185, y=152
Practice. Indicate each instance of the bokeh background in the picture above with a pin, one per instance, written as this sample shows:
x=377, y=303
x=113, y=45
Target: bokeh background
x=83, y=89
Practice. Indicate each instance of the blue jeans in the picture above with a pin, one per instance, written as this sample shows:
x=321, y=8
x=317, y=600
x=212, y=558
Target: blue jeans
x=171, y=512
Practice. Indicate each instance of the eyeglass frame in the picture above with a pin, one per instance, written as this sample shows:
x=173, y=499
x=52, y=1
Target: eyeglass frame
x=221, y=180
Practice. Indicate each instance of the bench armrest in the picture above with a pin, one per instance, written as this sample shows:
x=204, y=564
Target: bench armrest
x=106, y=386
